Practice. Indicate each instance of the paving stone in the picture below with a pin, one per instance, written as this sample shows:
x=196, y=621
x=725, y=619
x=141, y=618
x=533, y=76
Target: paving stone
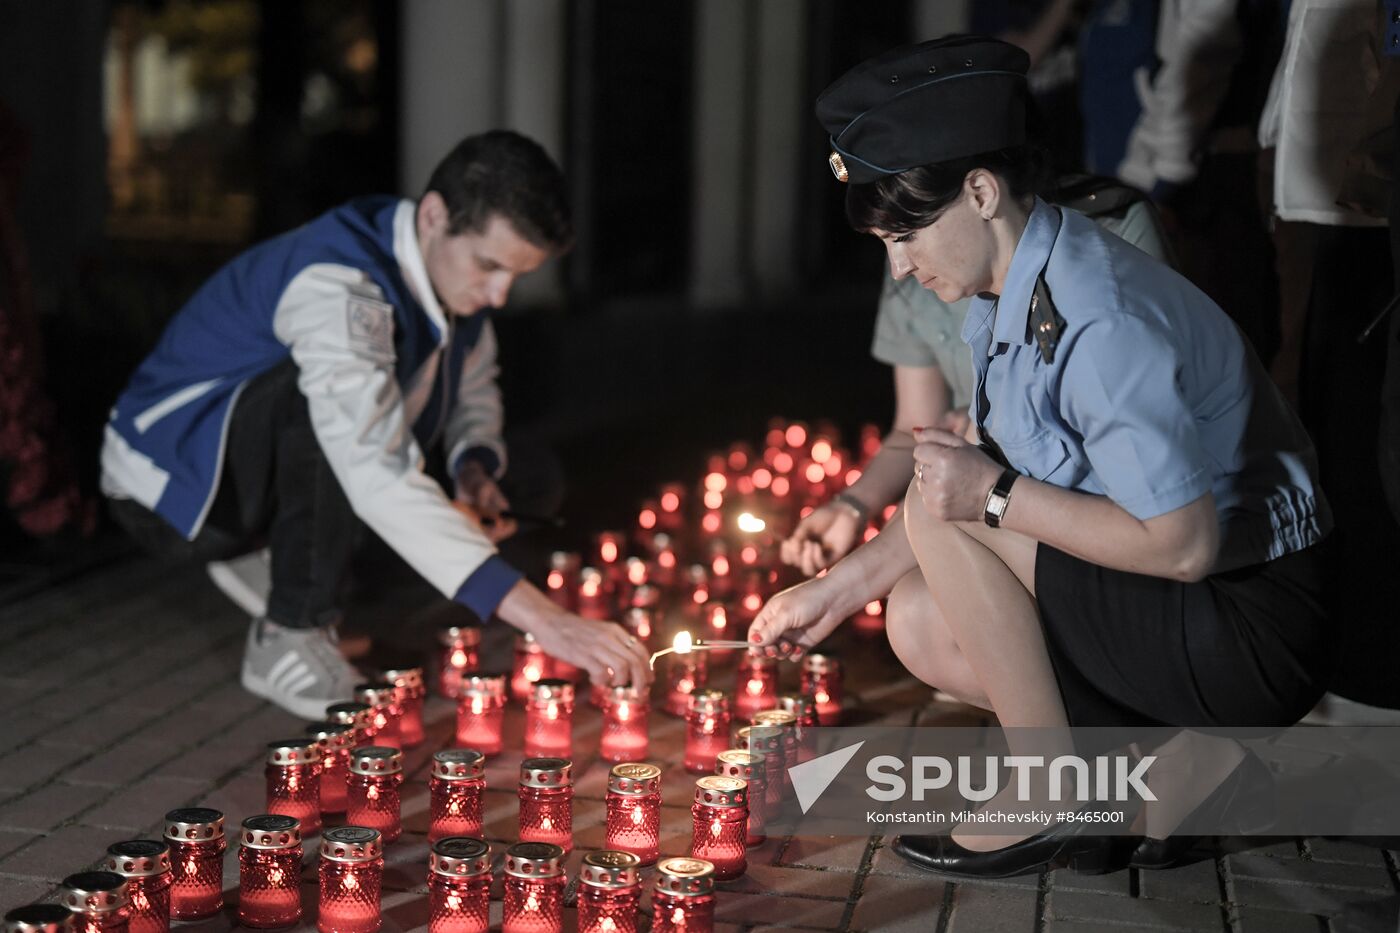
x=96, y=728
x=143, y=805
x=57, y=855
x=1198, y=883
x=1259, y=920
x=800, y=882
x=985, y=909
x=17, y=892
x=899, y=904
x=779, y=911
x=1322, y=874
x=46, y=808
x=406, y=864
x=11, y=840
x=1292, y=898
x=1348, y=853
x=121, y=764
x=1119, y=882
x=32, y=765
x=1107, y=909
x=841, y=853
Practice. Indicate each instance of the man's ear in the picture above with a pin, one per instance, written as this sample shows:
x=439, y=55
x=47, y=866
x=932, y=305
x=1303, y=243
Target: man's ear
x=985, y=190
x=432, y=214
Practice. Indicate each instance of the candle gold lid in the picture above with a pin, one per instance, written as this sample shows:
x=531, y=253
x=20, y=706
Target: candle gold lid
x=775, y=717
x=354, y=713
x=550, y=688
x=374, y=694
x=719, y=791
x=634, y=778
x=685, y=876
x=626, y=693
x=467, y=636
x=298, y=751
x=39, y=918
x=138, y=858
x=376, y=759
x=534, y=860
x=351, y=844
x=709, y=702
x=194, y=824
x=799, y=704
x=546, y=772
x=610, y=868
x=492, y=685
x=762, y=738
x=821, y=664
x=739, y=763
x=645, y=596
x=331, y=736
x=459, y=764
x=459, y=857
x=404, y=676
x=271, y=831
x=93, y=892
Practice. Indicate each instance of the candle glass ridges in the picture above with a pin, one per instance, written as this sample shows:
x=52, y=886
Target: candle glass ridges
x=481, y=712
x=594, y=595
x=40, y=918
x=351, y=875
x=720, y=822
x=385, y=712
x=685, y=673
x=534, y=889
x=98, y=900
x=335, y=740
x=459, y=886
x=269, y=872
x=356, y=715
x=374, y=794
x=145, y=864
x=549, y=719
x=547, y=801
x=626, y=711
x=409, y=692
x=756, y=685
x=531, y=666
x=804, y=709
x=455, y=787
x=823, y=681
x=706, y=730
x=786, y=724
x=609, y=890
x=751, y=768
x=634, y=810
x=197, y=846
x=293, y=778
x=683, y=896
x=459, y=653
x=768, y=742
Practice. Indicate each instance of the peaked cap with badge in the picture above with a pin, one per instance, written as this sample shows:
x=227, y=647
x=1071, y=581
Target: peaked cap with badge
x=918, y=104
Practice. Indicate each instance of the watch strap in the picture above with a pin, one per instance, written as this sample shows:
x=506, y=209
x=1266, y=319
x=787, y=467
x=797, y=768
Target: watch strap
x=999, y=498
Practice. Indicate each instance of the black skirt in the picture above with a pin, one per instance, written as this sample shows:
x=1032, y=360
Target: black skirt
x=1249, y=647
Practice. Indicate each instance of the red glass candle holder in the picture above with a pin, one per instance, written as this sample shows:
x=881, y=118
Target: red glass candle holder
x=609, y=889
x=353, y=714
x=561, y=584
x=634, y=810
x=351, y=875
x=768, y=742
x=626, y=711
x=534, y=889
x=665, y=563
x=40, y=918
x=376, y=772
x=293, y=778
x=459, y=886
x=750, y=767
x=685, y=674
x=720, y=822
x=481, y=713
x=871, y=619
x=638, y=574
x=98, y=900
x=410, y=692
x=335, y=740
x=823, y=681
x=756, y=685
x=804, y=710
x=549, y=719
x=547, y=801
x=197, y=845
x=531, y=666
x=640, y=622
x=683, y=896
x=454, y=808
x=594, y=594
x=458, y=654
x=269, y=872
x=786, y=724
x=385, y=712
x=697, y=585
x=706, y=730
x=145, y=864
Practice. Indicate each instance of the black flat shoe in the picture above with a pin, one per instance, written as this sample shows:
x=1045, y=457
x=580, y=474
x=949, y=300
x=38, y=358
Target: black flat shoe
x=1242, y=805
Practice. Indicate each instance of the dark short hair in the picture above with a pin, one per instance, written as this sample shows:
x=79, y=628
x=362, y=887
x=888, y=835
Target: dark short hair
x=502, y=172
x=913, y=199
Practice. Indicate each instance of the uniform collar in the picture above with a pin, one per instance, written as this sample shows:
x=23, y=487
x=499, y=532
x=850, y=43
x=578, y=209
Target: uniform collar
x=410, y=258
x=1032, y=252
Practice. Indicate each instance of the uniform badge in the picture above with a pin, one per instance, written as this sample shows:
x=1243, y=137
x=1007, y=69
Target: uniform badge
x=838, y=166
x=370, y=325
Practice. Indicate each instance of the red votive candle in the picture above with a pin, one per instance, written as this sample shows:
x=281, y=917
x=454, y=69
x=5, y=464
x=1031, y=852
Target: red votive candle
x=634, y=810
x=871, y=619
x=609, y=889
x=768, y=742
x=804, y=710
x=685, y=673
x=718, y=625
x=376, y=772
x=749, y=767
x=697, y=582
x=459, y=653
x=786, y=724
x=706, y=730
x=145, y=864
x=561, y=584
x=40, y=918
x=640, y=621
x=638, y=573
x=351, y=874
x=720, y=823
x=683, y=897
x=269, y=872
x=547, y=801
x=335, y=740
x=756, y=685
x=293, y=778
x=98, y=900
x=822, y=680
x=594, y=595
x=666, y=561
x=549, y=719
x=534, y=889
x=409, y=692
x=531, y=666
x=353, y=714
x=481, y=712
x=459, y=886
x=458, y=778
x=197, y=845
x=625, y=713
x=385, y=712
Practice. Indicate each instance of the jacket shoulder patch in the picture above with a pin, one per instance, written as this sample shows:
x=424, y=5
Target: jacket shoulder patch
x=369, y=325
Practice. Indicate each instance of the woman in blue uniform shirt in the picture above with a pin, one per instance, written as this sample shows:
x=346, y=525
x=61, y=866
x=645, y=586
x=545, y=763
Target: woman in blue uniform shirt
x=1132, y=541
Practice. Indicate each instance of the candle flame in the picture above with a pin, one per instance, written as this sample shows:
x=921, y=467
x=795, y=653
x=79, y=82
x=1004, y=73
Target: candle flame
x=678, y=917
x=274, y=876
x=624, y=712
x=459, y=658
x=637, y=816
x=822, y=697
x=546, y=823
x=531, y=902
x=683, y=643
x=608, y=551
x=751, y=523
x=454, y=902
x=551, y=710
x=754, y=687
x=478, y=704
x=715, y=829
x=555, y=580
x=350, y=882
x=372, y=792
x=191, y=868
x=607, y=925
x=670, y=502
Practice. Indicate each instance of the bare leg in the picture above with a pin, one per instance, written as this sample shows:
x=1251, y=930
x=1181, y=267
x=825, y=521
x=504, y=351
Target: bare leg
x=921, y=640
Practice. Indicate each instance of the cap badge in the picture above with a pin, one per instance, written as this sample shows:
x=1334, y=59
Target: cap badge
x=838, y=166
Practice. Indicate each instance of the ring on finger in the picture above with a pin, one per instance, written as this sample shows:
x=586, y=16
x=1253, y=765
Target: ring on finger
x=919, y=472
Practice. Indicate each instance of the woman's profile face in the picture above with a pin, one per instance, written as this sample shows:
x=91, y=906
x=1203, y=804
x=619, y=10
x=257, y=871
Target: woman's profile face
x=951, y=257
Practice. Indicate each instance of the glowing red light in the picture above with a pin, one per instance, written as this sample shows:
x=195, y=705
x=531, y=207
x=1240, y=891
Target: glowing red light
x=833, y=466
x=713, y=499
x=555, y=580
x=647, y=519
x=762, y=478
x=870, y=533
x=666, y=559
x=821, y=451
x=670, y=502
x=774, y=438
x=873, y=608
x=701, y=595
x=636, y=572
x=745, y=485
x=718, y=618
x=608, y=551
x=852, y=475
x=715, y=482
x=782, y=462
x=711, y=522
x=889, y=511
x=738, y=459
x=589, y=588
x=720, y=565
x=796, y=435
x=749, y=554
x=781, y=486
x=753, y=602
x=805, y=511
x=815, y=473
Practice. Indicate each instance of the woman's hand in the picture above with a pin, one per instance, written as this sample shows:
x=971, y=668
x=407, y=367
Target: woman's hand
x=821, y=539
x=609, y=653
x=794, y=620
x=953, y=477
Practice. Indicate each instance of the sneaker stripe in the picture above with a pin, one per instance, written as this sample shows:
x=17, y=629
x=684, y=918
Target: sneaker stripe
x=284, y=662
x=295, y=672
x=299, y=685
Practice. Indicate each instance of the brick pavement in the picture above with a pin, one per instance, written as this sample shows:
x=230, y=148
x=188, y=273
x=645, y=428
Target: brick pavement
x=121, y=699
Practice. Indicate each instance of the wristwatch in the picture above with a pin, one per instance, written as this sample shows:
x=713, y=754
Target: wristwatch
x=858, y=509
x=999, y=498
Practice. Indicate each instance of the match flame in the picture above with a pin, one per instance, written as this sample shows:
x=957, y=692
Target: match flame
x=750, y=523
x=682, y=643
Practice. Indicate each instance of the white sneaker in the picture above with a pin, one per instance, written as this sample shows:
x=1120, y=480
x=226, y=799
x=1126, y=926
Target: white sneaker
x=246, y=580
x=300, y=670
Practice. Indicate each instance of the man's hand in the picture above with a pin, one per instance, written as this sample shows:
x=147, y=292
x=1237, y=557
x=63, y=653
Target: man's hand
x=953, y=476
x=822, y=538
x=477, y=490
x=609, y=653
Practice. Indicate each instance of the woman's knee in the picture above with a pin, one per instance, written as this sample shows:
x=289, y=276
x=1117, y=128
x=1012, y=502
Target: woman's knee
x=915, y=628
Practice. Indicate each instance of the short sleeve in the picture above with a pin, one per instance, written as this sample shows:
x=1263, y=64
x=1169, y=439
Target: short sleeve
x=897, y=341
x=1119, y=390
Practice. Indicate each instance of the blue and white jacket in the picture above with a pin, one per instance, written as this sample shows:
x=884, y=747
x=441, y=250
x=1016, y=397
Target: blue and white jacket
x=385, y=372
